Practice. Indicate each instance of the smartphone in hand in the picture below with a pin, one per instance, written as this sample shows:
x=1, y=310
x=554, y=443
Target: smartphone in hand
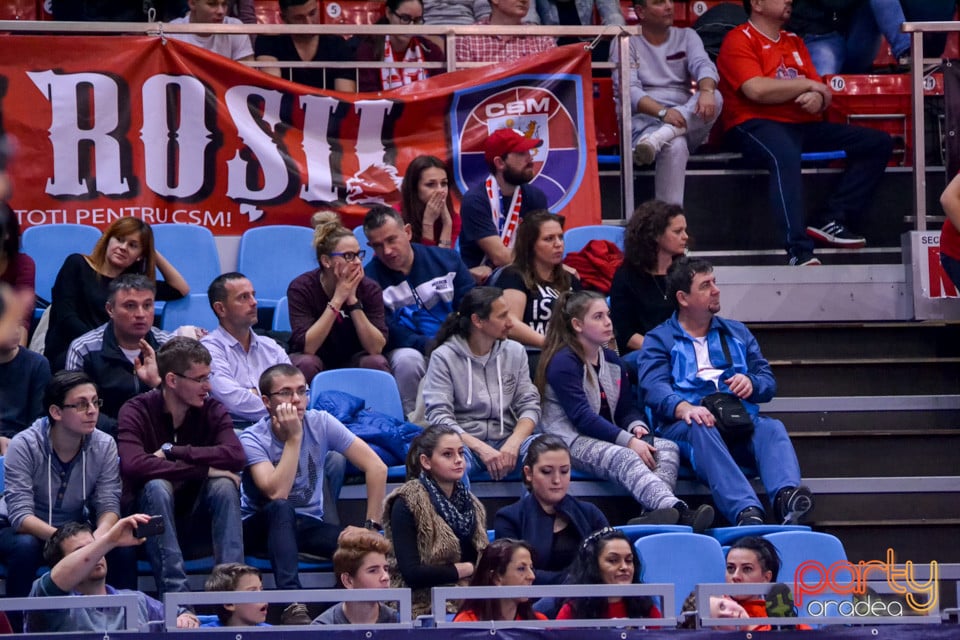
x=152, y=527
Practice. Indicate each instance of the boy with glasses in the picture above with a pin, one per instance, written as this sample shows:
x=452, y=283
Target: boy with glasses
x=282, y=498
x=180, y=459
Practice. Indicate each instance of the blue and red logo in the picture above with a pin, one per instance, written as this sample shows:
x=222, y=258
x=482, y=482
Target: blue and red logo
x=548, y=107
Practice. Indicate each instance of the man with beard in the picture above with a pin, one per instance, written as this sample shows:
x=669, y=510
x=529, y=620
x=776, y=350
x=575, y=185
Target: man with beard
x=421, y=286
x=696, y=354
x=491, y=212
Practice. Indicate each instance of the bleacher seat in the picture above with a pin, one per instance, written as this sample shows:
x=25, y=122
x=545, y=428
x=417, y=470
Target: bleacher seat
x=361, y=237
x=377, y=388
x=606, y=122
x=272, y=256
x=684, y=559
x=192, y=250
x=797, y=547
x=193, y=309
x=636, y=531
x=281, y=316
x=352, y=11
x=49, y=245
x=728, y=535
x=575, y=239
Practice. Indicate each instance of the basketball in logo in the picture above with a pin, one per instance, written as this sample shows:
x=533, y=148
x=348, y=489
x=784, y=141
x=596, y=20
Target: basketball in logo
x=551, y=112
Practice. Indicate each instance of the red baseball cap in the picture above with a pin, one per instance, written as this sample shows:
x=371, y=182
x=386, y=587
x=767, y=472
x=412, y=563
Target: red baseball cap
x=504, y=141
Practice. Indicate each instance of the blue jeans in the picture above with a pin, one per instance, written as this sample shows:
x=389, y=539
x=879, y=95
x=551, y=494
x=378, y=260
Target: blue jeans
x=715, y=463
x=778, y=145
x=217, y=506
x=476, y=470
x=855, y=51
x=286, y=534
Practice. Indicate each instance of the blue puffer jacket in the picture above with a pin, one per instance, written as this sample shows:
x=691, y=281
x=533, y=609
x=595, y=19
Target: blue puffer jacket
x=386, y=435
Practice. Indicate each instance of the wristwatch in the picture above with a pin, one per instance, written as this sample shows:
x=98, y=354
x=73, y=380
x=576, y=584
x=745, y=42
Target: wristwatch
x=662, y=114
x=350, y=308
x=167, y=449
x=373, y=525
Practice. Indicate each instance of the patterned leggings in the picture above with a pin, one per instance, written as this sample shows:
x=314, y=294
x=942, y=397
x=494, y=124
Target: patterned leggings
x=652, y=489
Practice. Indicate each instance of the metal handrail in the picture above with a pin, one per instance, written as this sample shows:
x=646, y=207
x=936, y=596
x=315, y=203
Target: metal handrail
x=450, y=33
x=129, y=602
x=440, y=596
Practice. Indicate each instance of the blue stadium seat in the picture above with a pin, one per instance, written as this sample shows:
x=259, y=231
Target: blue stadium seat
x=636, y=531
x=192, y=250
x=49, y=246
x=684, y=559
x=192, y=309
x=362, y=239
x=575, y=239
x=797, y=547
x=377, y=388
x=272, y=256
x=728, y=535
x=281, y=316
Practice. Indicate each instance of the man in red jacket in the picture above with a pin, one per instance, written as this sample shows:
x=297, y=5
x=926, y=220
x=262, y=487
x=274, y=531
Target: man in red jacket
x=180, y=459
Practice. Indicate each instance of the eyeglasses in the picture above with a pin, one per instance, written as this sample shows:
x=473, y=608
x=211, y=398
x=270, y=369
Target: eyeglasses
x=287, y=394
x=349, y=256
x=408, y=19
x=84, y=405
x=199, y=379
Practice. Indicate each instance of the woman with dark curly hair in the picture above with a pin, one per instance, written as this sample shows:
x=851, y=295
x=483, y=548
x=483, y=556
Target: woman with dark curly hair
x=655, y=235
x=427, y=205
x=607, y=557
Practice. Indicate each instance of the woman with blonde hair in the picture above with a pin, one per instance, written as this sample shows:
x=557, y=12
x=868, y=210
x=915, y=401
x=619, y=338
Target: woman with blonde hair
x=80, y=291
x=336, y=311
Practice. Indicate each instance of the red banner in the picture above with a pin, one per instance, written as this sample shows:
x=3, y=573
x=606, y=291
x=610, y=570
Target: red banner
x=108, y=127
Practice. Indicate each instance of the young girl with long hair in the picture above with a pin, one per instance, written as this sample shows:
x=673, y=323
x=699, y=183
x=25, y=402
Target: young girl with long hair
x=436, y=526
x=589, y=403
x=427, y=202
x=504, y=563
x=536, y=278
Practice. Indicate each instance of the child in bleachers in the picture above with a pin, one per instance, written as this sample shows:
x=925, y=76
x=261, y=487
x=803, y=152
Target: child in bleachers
x=504, y=563
x=436, y=525
x=360, y=562
x=607, y=557
x=589, y=403
x=234, y=576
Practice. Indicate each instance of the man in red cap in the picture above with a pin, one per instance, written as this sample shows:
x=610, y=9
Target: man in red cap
x=491, y=212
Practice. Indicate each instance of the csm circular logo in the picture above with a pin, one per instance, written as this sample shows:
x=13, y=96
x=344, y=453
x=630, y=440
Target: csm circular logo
x=534, y=112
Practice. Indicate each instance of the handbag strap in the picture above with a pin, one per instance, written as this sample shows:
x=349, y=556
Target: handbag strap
x=726, y=348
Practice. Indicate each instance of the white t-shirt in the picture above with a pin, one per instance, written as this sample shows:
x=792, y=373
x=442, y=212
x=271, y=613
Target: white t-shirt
x=229, y=45
x=705, y=368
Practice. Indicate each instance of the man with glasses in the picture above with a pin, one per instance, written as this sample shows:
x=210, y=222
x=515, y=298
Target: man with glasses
x=180, y=459
x=120, y=356
x=283, y=507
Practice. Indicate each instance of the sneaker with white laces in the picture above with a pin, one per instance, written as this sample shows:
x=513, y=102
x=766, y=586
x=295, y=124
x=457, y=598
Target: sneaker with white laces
x=296, y=613
x=835, y=234
x=792, y=503
x=804, y=260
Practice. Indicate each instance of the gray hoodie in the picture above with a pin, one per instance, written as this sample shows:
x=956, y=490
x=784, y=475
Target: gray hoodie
x=484, y=396
x=33, y=479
